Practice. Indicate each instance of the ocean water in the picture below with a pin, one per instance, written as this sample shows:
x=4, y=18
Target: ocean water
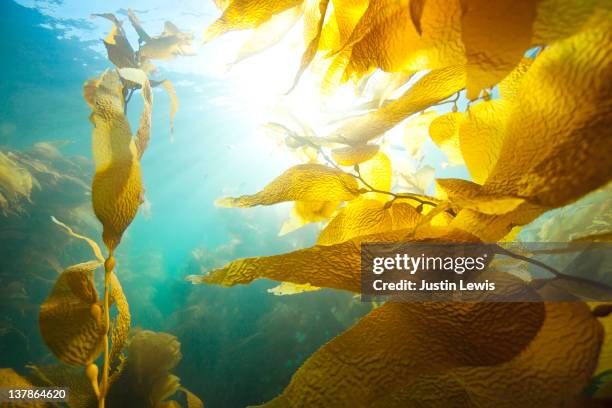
x=240, y=346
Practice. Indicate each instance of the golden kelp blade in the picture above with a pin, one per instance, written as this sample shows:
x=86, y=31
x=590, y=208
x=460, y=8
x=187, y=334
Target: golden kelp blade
x=70, y=319
x=496, y=35
x=444, y=132
x=118, y=48
x=305, y=212
x=304, y=182
x=359, y=217
x=398, y=342
x=246, y=14
x=121, y=327
x=384, y=38
x=555, y=371
x=269, y=33
x=313, y=44
x=552, y=132
x=349, y=155
x=288, y=288
x=10, y=379
x=138, y=77
x=377, y=173
x=174, y=103
x=433, y=87
x=117, y=188
x=466, y=194
x=334, y=266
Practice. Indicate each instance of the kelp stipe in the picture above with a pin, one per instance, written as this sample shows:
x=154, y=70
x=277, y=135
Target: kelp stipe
x=74, y=322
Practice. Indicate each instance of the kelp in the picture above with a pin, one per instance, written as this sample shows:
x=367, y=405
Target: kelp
x=533, y=136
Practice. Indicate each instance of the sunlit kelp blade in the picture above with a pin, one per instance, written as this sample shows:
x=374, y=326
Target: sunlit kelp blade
x=246, y=14
x=70, y=320
x=334, y=266
x=433, y=87
x=117, y=188
x=305, y=182
x=398, y=342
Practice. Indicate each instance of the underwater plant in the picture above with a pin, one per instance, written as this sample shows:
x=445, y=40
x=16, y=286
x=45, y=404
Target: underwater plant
x=534, y=136
x=74, y=321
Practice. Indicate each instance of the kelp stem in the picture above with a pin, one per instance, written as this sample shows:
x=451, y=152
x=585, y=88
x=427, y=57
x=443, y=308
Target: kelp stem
x=109, y=265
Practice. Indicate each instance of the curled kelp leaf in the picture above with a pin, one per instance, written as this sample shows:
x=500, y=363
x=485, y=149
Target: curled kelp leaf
x=246, y=14
x=118, y=48
x=350, y=155
x=466, y=194
x=537, y=162
x=335, y=266
x=431, y=88
x=269, y=33
x=494, y=42
x=92, y=244
x=305, y=212
x=398, y=342
x=138, y=77
x=170, y=43
x=313, y=43
x=555, y=381
x=71, y=320
x=174, y=104
x=9, y=379
x=117, y=187
x=304, y=182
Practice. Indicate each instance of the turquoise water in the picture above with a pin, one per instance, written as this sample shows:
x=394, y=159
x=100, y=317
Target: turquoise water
x=241, y=345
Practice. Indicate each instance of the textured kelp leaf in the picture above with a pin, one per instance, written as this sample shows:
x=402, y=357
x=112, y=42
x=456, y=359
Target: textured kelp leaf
x=416, y=13
x=553, y=132
x=121, y=327
x=152, y=355
x=359, y=217
x=378, y=174
x=269, y=33
x=444, y=131
x=163, y=388
x=139, y=77
x=335, y=266
x=89, y=91
x=398, y=342
x=246, y=14
x=555, y=371
x=304, y=182
x=9, y=379
x=466, y=194
x=288, y=288
x=510, y=85
x=433, y=87
x=170, y=43
x=481, y=136
x=174, y=103
x=383, y=38
x=416, y=131
x=559, y=19
x=313, y=43
x=117, y=187
x=305, y=212
x=496, y=35
x=81, y=393
x=70, y=319
x=118, y=48
x=349, y=155
x=192, y=400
